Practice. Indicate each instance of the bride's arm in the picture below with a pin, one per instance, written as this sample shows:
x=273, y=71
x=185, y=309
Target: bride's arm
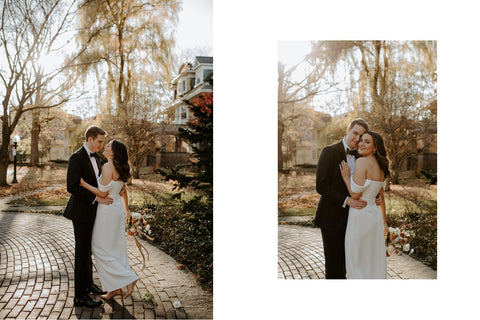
x=383, y=209
x=93, y=189
x=125, y=204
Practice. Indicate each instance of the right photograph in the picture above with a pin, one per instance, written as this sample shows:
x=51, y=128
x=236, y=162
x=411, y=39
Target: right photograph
x=357, y=159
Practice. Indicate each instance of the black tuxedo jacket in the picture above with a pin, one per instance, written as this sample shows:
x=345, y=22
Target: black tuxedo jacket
x=330, y=185
x=81, y=206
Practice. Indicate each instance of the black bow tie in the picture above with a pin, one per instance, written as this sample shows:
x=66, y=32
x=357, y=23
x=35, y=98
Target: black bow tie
x=352, y=152
x=93, y=154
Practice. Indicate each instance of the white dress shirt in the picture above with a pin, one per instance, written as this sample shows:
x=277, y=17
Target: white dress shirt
x=93, y=161
x=94, y=164
x=350, y=158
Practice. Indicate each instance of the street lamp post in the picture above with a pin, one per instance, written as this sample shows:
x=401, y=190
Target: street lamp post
x=15, y=139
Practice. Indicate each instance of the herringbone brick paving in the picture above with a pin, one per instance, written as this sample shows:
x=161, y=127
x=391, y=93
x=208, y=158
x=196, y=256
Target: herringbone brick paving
x=300, y=256
x=36, y=275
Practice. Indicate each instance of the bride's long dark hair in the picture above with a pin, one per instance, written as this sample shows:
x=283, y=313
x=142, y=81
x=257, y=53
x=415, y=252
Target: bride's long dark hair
x=120, y=160
x=381, y=153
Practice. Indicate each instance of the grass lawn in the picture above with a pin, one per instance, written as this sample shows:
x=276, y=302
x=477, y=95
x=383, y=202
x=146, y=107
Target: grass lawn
x=34, y=178
x=287, y=212
x=297, y=196
x=148, y=191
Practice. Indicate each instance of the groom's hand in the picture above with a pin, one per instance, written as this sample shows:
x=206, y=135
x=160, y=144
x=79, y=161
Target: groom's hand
x=357, y=204
x=106, y=200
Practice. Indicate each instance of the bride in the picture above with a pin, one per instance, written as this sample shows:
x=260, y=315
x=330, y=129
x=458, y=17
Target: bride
x=365, y=255
x=108, y=239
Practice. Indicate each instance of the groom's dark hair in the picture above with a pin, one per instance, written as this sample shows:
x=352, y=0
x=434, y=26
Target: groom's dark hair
x=360, y=122
x=94, y=131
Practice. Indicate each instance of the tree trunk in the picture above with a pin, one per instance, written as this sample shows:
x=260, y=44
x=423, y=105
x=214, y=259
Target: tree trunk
x=136, y=170
x=280, y=138
x=395, y=173
x=388, y=183
x=4, y=158
x=3, y=168
x=35, y=134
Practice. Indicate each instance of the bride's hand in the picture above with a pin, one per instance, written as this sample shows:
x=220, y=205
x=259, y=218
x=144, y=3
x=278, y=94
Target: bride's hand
x=82, y=182
x=344, y=170
x=128, y=216
x=385, y=230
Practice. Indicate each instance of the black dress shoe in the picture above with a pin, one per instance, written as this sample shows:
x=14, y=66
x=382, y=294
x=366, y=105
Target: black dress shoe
x=86, y=302
x=94, y=289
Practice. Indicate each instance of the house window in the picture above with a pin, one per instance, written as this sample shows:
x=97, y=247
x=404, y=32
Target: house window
x=207, y=73
x=183, y=115
x=192, y=83
x=184, y=86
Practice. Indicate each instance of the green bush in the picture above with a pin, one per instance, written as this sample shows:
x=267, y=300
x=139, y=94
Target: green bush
x=424, y=241
x=185, y=232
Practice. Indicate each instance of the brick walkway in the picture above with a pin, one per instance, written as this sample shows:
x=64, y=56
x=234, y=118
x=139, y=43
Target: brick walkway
x=300, y=256
x=36, y=276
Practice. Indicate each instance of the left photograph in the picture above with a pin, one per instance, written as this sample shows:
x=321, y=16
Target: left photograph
x=106, y=159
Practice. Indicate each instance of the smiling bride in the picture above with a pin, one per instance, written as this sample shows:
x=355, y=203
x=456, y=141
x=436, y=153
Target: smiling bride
x=365, y=255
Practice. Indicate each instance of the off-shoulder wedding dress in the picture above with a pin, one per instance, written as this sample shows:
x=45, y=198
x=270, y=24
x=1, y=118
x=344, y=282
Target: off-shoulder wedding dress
x=109, y=246
x=365, y=254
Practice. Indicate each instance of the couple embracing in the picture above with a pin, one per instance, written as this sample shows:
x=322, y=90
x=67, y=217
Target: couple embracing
x=98, y=207
x=351, y=213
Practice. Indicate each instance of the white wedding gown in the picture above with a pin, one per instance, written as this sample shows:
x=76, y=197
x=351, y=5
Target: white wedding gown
x=109, y=246
x=365, y=255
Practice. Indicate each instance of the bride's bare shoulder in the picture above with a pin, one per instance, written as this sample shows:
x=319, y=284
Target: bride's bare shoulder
x=107, y=167
x=361, y=162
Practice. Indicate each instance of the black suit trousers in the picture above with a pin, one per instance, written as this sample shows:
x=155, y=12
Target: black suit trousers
x=334, y=250
x=83, y=257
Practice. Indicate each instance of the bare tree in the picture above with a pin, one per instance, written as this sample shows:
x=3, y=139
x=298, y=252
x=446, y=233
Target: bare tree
x=295, y=104
x=135, y=38
x=392, y=85
x=134, y=51
x=140, y=130
x=29, y=29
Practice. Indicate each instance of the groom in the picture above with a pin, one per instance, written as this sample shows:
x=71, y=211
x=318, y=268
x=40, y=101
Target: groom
x=332, y=211
x=82, y=209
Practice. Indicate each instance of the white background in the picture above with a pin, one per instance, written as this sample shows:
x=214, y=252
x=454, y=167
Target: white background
x=245, y=212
